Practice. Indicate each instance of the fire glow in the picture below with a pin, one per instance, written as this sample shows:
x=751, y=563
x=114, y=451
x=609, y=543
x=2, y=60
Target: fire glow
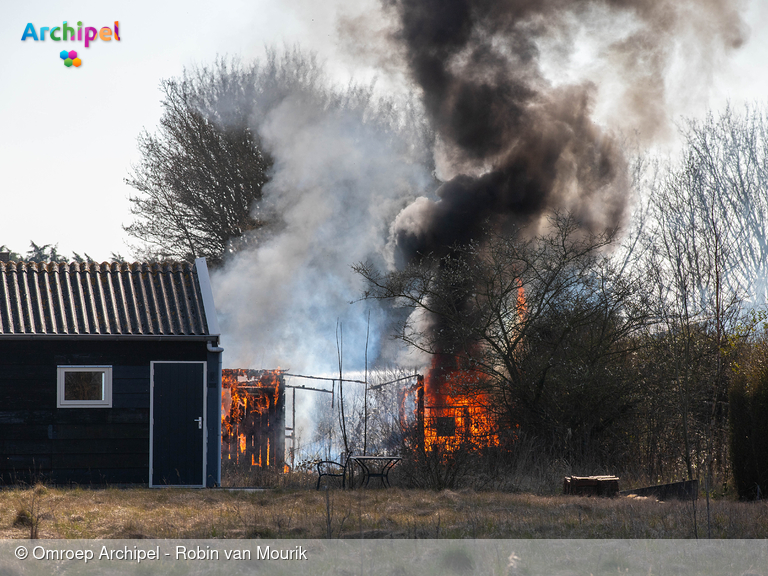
x=453, y=408
x=451, y=411
x=253, y=418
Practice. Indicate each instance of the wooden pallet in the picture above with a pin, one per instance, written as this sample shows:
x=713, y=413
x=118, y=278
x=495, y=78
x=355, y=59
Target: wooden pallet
x=686, y=490
x=591, y=485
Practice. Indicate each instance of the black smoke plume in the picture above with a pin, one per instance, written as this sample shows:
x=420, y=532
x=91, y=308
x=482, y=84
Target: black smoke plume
x=517, y=146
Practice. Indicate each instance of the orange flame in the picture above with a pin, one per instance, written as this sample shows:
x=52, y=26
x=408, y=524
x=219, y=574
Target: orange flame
x=248, y=400
x=456, y=412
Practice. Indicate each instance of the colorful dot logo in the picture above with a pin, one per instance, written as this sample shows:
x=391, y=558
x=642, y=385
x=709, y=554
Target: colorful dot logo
x=70, y=58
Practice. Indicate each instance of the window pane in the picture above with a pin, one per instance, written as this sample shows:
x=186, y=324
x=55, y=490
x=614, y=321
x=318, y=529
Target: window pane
x=83, y=385
x=445, y=426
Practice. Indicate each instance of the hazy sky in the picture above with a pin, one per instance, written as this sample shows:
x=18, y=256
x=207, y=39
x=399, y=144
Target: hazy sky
x=69, y=134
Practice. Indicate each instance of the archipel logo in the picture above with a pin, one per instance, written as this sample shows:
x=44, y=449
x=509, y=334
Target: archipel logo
x=70, y=58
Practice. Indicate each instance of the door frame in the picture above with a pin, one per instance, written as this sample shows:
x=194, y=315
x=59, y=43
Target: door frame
x=152, y=420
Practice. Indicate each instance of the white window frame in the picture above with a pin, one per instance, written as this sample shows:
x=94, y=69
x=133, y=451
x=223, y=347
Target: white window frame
x=106, y=402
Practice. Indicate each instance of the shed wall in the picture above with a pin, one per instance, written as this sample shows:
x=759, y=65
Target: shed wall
x=84, y=445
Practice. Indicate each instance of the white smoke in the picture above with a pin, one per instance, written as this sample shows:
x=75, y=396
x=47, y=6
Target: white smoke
x=345, y=165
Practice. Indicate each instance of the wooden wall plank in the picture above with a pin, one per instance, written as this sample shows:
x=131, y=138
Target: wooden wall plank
x=74, y=431
x=130, y=401
x=92, y=445
x=100, y=461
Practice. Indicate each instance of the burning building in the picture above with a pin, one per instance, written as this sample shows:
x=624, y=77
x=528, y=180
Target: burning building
x=454, y=406
x=452, y=411
x=253, y=419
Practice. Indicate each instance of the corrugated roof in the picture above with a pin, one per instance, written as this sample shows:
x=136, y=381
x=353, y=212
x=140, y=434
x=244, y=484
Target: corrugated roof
x=123, y=299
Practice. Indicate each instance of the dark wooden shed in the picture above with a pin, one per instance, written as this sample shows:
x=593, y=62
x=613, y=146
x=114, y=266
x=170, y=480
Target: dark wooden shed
x=109, y=374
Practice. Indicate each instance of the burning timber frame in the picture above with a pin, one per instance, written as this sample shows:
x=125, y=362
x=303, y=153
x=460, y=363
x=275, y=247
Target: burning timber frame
x=450, y=422
x=253, y=419
x=109, y=374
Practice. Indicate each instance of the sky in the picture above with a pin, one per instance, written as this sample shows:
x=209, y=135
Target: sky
x=69, y=134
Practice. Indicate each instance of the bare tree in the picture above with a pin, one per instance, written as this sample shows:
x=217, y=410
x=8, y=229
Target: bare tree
x=726, y=173
x=547, y=321
x=705, y=250
x=200, y=181
x=201, y=172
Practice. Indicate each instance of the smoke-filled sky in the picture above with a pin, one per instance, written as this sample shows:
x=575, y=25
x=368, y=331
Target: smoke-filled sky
x=69, y=135
x=554, y=86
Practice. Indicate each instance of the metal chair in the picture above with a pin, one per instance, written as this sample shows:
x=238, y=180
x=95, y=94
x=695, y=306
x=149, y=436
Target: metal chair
x=331, y=468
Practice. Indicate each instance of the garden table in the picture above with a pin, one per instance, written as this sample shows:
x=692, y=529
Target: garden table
x=376, y=467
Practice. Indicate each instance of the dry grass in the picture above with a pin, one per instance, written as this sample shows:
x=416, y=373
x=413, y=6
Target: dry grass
x=395, y=513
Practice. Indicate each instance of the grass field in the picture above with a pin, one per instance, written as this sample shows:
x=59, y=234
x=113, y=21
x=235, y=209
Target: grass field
x=395, y=513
